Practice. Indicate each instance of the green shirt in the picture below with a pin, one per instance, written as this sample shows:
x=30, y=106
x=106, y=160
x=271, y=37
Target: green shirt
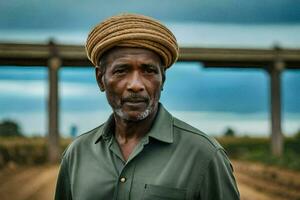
x=173, y=161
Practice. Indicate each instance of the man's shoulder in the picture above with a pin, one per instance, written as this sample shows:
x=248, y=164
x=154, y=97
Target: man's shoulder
x=89, y=135
x=195, y=136
x=84, y=140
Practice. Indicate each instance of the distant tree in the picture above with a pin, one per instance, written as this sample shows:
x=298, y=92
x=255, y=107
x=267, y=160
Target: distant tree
x=10, y=128
x=229, y=133
x=297, y=135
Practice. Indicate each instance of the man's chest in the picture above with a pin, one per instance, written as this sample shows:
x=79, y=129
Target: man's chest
x=155, y=172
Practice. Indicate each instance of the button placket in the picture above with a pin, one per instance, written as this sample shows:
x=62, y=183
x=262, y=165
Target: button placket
x=125, y=181
x=126, y=176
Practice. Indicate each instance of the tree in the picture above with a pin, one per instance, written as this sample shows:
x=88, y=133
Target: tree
x=229, y=133
x=10, y=128
x=297, y=135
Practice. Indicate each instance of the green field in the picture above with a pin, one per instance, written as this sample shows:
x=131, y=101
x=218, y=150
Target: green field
x=259, y=149
x=32, y=151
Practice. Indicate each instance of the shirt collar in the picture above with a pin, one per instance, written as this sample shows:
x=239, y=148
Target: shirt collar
x=106, y=131
x=162, y=128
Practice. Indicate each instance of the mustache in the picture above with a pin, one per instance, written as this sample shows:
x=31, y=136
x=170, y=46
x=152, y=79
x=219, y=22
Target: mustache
x=133, y=97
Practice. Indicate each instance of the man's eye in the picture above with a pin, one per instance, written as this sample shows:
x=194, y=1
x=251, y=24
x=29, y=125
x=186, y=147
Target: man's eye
x=119, y=71
x=150, y=70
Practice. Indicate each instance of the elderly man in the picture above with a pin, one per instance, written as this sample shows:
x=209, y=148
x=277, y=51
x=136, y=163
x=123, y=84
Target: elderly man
x=141, y=151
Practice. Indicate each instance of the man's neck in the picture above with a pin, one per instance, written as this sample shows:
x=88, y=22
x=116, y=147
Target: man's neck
x=127, y=130
x=129, y=133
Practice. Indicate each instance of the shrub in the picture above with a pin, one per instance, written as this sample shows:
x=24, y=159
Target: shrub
x=25, y=151
x=9, y=128
x=229, y=133
x=258, y=149
x=297, y=135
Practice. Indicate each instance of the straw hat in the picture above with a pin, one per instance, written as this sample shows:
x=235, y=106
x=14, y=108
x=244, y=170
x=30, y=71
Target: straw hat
x=132, y=30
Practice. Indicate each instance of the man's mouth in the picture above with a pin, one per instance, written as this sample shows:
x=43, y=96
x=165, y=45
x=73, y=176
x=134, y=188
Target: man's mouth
x=135, y=100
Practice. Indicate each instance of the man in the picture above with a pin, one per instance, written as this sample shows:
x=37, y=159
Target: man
x=142, y=151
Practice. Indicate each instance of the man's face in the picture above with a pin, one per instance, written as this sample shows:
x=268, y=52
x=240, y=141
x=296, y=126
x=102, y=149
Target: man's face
x=132, y=81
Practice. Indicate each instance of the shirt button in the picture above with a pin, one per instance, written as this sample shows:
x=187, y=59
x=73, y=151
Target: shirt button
x=123, y=179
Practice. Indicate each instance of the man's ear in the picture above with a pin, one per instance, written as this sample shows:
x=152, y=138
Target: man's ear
x=163, y=78
x=100, y=76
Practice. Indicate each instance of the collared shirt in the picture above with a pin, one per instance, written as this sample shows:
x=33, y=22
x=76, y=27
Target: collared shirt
x=172, y=161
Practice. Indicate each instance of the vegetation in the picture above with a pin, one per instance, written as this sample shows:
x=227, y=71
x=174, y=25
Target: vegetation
x=229, y=133
x=29, y=151
x=9, y=128
x=297, y=135
x=25, y=151
x=258, y=149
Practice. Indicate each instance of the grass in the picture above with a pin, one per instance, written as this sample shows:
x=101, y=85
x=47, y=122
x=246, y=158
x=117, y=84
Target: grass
x=258, y=150
x=31, y=151
x=25, y=151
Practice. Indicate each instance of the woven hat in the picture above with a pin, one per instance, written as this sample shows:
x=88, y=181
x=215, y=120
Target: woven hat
x=132, y=30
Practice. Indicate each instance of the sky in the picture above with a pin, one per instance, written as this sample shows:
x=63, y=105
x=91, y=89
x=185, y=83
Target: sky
x=221, y=98
x=226, y=23
x=78, y=14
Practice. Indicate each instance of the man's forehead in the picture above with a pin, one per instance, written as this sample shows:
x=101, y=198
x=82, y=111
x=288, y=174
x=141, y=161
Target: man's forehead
x=126, y=53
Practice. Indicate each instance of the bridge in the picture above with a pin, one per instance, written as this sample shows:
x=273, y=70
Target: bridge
x=54, y=56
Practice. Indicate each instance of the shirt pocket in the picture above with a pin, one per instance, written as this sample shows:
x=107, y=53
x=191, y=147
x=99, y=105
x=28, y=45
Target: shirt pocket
x=155, y=192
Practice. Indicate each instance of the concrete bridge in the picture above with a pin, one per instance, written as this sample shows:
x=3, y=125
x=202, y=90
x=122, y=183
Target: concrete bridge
x=54, y=56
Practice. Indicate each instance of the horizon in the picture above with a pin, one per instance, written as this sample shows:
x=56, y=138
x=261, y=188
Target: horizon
x=241, y=103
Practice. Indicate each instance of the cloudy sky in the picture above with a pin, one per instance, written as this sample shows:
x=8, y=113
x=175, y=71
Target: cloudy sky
x=240, y=23
x=78, y=14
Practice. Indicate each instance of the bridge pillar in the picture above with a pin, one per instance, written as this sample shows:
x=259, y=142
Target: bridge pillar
x=54, y=64
x=277, y=140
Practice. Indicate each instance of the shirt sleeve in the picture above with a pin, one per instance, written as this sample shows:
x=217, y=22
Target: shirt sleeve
x=63, y=189
x=219, y=182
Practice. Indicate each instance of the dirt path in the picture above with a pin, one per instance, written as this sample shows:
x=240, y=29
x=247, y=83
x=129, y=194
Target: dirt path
x=35, y=183
x=267, y=182
x=248, y=193
x=255, y=182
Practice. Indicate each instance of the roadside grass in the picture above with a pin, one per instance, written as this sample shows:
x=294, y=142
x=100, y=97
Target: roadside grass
x=33, y=151
x=259, y=150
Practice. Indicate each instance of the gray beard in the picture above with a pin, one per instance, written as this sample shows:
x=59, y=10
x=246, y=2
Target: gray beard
x=141, y=116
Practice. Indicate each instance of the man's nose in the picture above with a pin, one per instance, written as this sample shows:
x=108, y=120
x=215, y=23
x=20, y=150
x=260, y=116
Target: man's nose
x=135, y=83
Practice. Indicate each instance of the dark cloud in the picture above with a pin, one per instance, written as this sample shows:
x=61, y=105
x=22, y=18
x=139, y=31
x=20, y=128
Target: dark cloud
x=78, y=14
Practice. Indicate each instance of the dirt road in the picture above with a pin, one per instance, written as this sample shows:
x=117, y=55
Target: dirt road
x=34, y=183
x=37, y=183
